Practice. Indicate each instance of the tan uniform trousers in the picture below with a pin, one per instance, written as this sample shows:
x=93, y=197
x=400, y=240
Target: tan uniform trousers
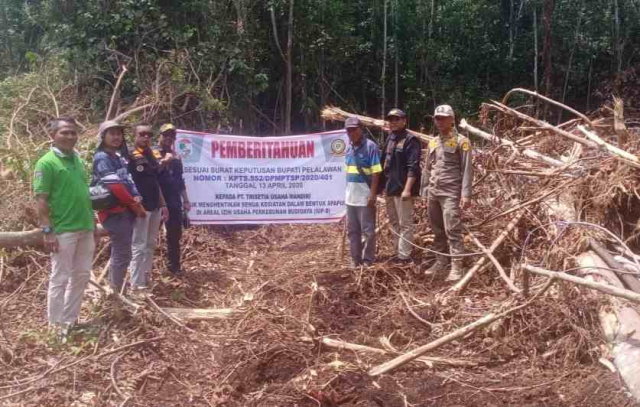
x=446, y=223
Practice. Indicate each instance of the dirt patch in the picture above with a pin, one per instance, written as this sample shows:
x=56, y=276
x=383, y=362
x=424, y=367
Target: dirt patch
x=544, y=355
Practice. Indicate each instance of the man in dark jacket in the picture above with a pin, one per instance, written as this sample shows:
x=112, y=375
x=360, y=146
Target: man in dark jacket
x=174, y=192
x=401, y=167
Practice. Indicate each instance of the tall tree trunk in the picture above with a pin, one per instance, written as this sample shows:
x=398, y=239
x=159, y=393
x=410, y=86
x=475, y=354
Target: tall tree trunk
x=589, y=85
x=7, y=35
x=287, y=62
x=617, y=51
x=241, y=16
x=384, y=56
x=396, y=49
x=536, y=56
x=546, y=49
x=324, y=91
x=569, y=64
x=289, y=85
x=511, y=35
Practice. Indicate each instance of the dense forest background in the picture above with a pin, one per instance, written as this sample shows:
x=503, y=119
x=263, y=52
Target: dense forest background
x=268, y=67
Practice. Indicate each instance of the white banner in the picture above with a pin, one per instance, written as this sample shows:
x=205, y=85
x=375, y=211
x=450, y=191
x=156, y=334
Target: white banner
x=239, y=179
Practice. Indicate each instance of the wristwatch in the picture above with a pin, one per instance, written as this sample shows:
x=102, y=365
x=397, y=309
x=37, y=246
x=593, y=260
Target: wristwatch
x=46, y=230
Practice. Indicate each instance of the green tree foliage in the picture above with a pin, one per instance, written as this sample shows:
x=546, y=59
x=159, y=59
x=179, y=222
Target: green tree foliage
x=215, y=62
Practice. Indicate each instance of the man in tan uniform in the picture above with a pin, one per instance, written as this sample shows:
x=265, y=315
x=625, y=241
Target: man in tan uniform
x=446, y=183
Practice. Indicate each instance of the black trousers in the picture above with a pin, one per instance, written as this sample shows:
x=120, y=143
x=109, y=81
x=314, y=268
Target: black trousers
x=174, y=233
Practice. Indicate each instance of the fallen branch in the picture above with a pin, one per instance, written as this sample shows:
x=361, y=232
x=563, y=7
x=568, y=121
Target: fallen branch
x=412, y=312
x=526, y=152
x=460, y=285
x=527, y=203
x=458, y=333
x=544, y=125
x=495, y=262
x=202, y=313
x=603, y=288
x=548, y=100
x=337, y=344
x=592, y=141
x=171, y=318
x=112, y=372
x=611, y=149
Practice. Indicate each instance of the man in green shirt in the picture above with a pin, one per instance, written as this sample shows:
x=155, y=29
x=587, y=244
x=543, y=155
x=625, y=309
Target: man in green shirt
x=66, y=217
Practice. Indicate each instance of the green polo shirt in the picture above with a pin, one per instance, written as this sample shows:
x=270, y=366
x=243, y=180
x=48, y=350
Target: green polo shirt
x=63, y=179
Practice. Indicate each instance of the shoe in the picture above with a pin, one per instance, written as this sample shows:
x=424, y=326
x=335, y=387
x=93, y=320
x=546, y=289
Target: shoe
x=401, y=261
x=178, y=273
x=456, y=271
x=354, y=265
x=139, y=294
x=60, y=332
x=440, y=266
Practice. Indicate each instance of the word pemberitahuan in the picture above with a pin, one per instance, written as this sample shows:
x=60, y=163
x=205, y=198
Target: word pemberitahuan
x=262, y=149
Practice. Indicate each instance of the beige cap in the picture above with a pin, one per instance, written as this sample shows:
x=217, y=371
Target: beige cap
x=444, y=111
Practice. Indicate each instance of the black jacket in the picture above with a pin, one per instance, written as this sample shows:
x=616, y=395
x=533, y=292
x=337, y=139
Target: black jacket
x=400, y=160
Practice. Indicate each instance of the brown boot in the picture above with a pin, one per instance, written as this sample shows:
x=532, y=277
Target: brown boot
x=440, y=266
x=456, y=270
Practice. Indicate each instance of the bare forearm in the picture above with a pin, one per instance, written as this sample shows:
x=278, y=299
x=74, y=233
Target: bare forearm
x=375, y=181
x=43, y=210
x=162, y=201
x=409, y=184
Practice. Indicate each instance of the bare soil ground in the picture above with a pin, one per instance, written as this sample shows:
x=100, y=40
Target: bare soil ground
x=289, y=283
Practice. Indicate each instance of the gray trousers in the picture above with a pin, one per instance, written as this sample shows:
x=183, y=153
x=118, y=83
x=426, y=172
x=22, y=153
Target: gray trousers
x=361, y=221
x=70, y=273
x=120, y=228
x=446, y=222
x=400, y=215
x=145, y=239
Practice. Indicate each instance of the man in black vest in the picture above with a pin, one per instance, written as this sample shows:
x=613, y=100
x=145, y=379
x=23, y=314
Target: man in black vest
x=401, y=166
x=144, y=168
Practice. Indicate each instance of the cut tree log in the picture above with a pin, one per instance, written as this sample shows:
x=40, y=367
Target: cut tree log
x=621, y=324
x=335, y=114
x=618, y=122
x=629, y=280
x=11, y=240
x=603, y=288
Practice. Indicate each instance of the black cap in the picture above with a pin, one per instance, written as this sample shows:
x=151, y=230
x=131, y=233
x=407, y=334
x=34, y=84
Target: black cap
x=396, y=112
